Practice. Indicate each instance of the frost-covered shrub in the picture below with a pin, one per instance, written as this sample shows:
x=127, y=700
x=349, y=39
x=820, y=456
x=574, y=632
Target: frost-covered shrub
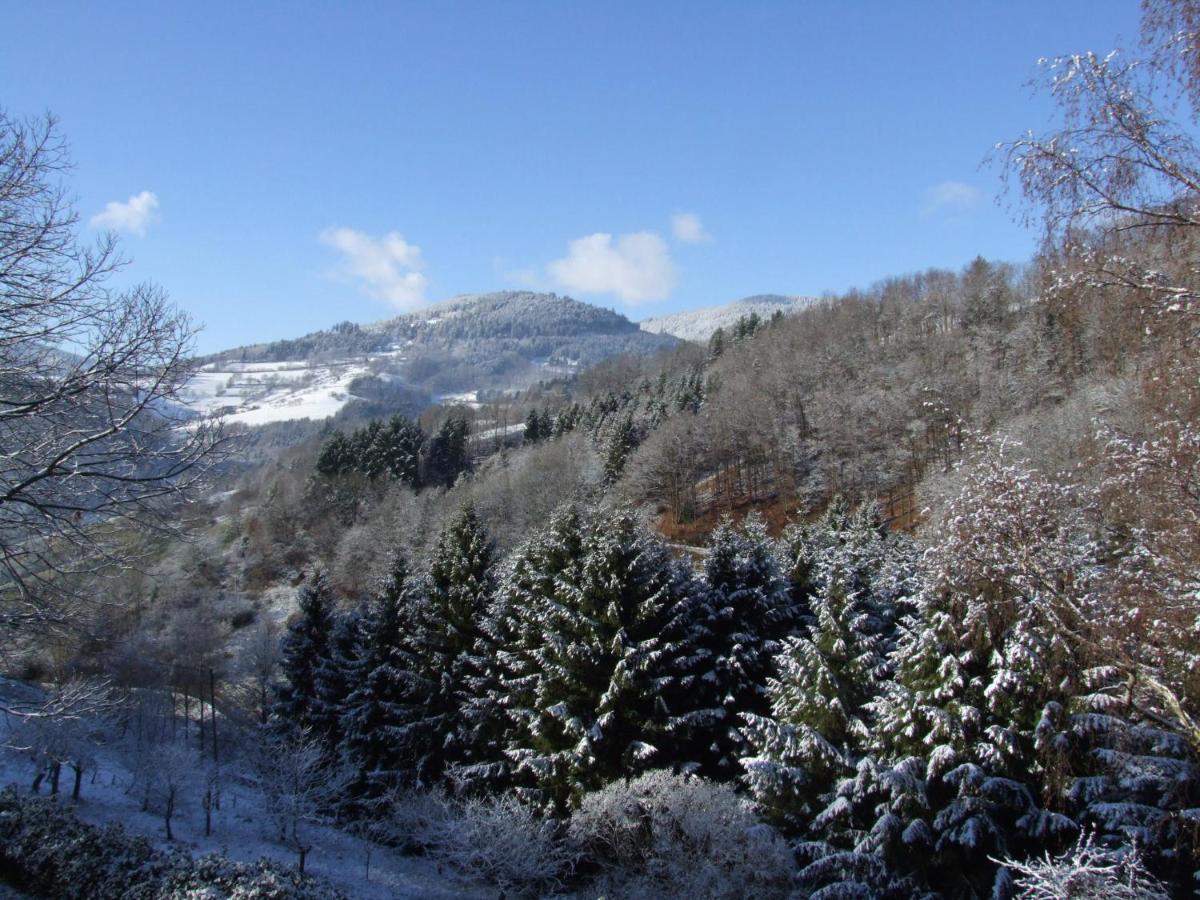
x=666, y=835
x=46, y=851
x=500, y=840
x=1086, y=872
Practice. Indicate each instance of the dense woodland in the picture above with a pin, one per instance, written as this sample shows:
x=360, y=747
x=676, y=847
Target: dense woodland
x=894, y=596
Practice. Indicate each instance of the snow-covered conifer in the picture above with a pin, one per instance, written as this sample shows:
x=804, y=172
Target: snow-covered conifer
x=747, y=612
x=600, y=614
x=303, y=650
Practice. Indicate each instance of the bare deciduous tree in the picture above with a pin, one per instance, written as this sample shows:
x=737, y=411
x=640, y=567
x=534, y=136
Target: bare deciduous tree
x=95, y=442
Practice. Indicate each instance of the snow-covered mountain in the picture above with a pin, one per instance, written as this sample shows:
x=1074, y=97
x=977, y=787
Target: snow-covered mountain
x=457, y=350
x=699, y=324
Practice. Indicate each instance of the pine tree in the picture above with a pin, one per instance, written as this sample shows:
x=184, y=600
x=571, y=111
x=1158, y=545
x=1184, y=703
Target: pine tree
x=445, y=628
x=449, y=455
x=980, y=672
x=334, y=678
x=533, y=427
x=602, y=618
x=852, y=578
x=303, y=651
x=621, y=443
x=747, y=611
x=397, y=451
x=375, y=707
x=367, y=449
x=336, y=456
x=817, y=725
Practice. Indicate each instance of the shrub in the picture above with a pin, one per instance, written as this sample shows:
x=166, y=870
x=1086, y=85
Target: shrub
x=1086, y=872
x=673, y=835
x=496, y=839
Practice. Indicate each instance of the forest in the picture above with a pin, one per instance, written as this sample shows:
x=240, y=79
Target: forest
x=891, y=596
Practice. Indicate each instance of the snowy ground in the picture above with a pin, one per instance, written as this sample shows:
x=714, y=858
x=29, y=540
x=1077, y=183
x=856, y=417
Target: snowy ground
x=240, y=832
x=260, y=393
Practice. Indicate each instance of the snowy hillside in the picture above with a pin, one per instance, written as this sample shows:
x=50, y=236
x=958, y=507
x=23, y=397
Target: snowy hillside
x=457, y=349
x=699, y=324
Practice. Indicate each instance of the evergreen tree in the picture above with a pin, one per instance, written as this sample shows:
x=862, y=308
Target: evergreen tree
x=851, y=578
x=602, y=623
x=375, y=707
x=445, y=628
x=969, y=723
x=747, y=611
x=716, y=344
x=817, y=725
x=303, y=651
x=621, y=443
x=449, y=455
x=397, y=451
x=533, y=427
x=334, y=677
x=336, y=456
x=367, y=449
x=503, y=674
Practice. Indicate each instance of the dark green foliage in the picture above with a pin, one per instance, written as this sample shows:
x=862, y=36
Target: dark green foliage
x=622, y=442
x=304, y=652
x=376, y=705
x=443, y=629
x=716, y=344
x=378, y=450
x=449, y=455
x=596, y=621
x=745, y=614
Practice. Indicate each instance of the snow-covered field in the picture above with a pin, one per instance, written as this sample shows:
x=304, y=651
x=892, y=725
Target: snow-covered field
x=260, y=393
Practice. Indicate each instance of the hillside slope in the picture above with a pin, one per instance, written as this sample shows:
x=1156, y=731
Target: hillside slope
x=459, y=349
x=699, y=324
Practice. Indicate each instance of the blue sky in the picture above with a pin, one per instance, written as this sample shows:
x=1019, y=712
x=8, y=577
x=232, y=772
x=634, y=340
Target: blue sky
x=279, y=167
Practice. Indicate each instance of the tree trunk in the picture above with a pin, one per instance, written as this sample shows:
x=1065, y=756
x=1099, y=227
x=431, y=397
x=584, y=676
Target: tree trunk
x=168, y=812
x=55, y=772
x=78, y=782
x=38, y=779
x=212, y=709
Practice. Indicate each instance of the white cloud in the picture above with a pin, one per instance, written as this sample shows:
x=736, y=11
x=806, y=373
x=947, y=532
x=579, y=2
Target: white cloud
x=387, y=268
x=635, y=267
x=688, y=228
x=132, y=216
x=950, y=196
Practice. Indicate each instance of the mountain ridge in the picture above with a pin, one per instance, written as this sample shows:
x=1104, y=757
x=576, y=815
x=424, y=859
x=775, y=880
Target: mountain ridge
x=699, y=324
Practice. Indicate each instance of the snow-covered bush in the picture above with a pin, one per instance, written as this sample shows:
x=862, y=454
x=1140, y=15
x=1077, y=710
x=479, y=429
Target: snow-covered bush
x=1085, y=872
x=500, y=840
x=666, y=835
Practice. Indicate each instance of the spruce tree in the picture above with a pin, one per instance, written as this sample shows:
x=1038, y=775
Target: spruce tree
x=747, y=611
x=533, y=427
x=981, y=672
x=375, y=707
x=449, y=455
x=603, y=623
x=336, y=456
x=397, y=450
x=621, y=443
x=303, y=651
x=444, y=630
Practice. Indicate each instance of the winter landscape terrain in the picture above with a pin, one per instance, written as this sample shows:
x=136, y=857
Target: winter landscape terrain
x=699, y=324
x=887, y=594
